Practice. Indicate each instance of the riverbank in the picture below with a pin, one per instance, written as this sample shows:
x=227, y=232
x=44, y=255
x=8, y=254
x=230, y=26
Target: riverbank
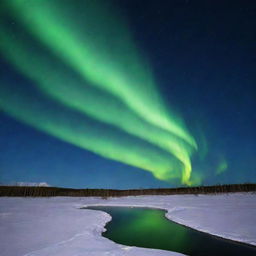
x=58, y=227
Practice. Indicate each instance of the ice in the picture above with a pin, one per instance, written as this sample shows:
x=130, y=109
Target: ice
x=58, y=227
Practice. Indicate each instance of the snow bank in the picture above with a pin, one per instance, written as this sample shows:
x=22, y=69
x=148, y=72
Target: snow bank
x=57, y=227
x=27, y=184
x=231, y=216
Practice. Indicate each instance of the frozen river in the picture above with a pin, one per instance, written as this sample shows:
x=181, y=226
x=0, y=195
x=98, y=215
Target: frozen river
x=57, y=226
x=149, y=228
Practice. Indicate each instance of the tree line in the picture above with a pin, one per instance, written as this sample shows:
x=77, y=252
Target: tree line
x=105, y=193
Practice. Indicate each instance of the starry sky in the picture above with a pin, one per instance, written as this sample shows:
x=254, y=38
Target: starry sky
x=127, y=94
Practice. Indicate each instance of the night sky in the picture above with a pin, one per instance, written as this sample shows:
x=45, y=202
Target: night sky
x=127, y=94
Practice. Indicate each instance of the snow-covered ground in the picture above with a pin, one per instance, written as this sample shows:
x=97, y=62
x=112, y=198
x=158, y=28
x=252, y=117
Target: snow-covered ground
x=57, y=227
x=27, y=184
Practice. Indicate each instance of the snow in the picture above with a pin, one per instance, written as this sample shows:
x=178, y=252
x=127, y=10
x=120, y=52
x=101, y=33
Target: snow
x=27, y=184
x=58, y=227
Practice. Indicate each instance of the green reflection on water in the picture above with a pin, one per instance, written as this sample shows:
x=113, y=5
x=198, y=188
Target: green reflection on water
x=149, y=228
x=145, y=228
x=141, y=223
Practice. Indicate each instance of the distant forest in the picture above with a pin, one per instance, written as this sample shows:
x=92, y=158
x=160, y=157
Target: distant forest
x=105, y=193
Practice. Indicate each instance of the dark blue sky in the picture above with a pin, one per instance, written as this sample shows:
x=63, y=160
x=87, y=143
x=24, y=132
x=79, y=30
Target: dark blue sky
x=203, y=54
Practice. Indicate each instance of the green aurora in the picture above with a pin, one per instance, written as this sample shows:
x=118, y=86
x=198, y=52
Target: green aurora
x=222, y=166
x=106, y=72
x=65, y=124
x=100, y=48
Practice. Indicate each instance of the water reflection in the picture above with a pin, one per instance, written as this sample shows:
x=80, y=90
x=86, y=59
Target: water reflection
x=149, y=228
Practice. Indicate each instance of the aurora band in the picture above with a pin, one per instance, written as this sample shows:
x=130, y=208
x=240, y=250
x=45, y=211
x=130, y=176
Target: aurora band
x=177, y=141
x=68, y=125
x=98, y=45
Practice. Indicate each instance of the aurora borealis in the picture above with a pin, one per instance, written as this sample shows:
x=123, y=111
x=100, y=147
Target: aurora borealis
x=79, y=73
x=141, y=119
